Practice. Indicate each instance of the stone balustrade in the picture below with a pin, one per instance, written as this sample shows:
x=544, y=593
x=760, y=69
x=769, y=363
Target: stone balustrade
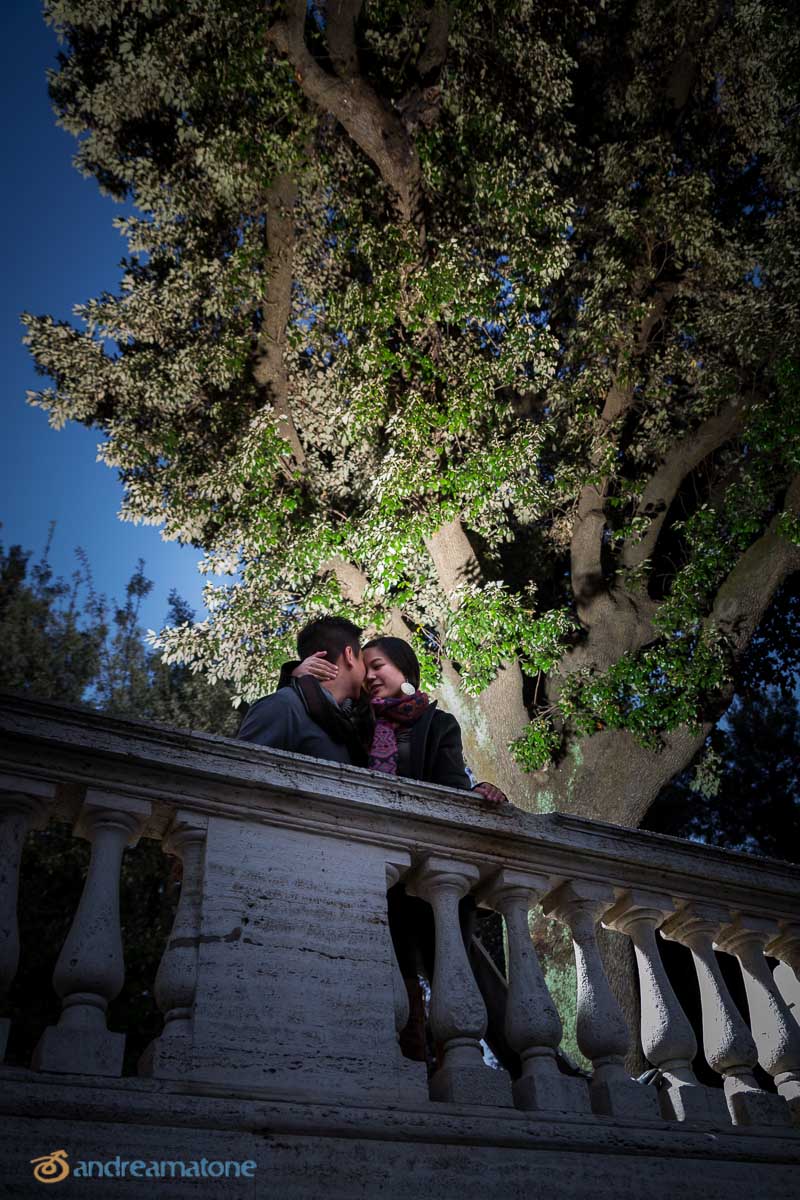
x=24, y=806
x=279, y=976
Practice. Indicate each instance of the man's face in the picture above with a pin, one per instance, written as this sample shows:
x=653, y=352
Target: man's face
x=361, y=670
x=353, y=663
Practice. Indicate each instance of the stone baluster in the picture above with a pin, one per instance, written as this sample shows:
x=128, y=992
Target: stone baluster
x=667, y=1036
x=90, y=970
x=458, y=1013
x=602, y=1032
x=170, y=1055
x=727, y=1042
x=786, y=947
x=23, y=806
x=775, y=1032
x=532, y=1025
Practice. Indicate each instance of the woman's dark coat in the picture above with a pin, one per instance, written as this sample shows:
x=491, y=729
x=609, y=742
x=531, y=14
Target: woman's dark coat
x=436, y=755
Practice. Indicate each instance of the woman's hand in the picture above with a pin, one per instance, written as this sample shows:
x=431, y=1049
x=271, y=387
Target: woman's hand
x=491, y=794
x=317, y=666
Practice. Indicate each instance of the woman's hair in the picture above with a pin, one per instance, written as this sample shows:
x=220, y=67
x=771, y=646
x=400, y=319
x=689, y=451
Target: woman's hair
x=399, y=653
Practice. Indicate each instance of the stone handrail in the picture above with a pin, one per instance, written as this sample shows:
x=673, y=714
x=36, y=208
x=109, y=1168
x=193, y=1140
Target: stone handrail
x=279, y=972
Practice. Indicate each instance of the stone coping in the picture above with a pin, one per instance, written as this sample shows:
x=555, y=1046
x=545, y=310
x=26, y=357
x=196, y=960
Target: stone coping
x=167, y=1104
x=77, y=748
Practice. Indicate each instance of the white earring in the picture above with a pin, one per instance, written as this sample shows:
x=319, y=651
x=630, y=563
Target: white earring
x=407, y=688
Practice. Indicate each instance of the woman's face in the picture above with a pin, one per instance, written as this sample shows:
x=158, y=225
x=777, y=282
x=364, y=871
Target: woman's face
x=383, y=679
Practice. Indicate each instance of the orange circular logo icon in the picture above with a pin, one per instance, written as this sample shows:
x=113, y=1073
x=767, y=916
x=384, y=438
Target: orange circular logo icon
x=52, y=1167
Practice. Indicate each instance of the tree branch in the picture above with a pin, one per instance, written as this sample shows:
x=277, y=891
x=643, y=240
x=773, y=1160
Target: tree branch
x=588, y=580
x=453, y=557
x=341, y=35
x=586, y=566
x=663, y=485
x=747, y=592
x=685, y=69
x=353, y=583
x=434, y=52
x=269, y=368
x=501, y=703
x=422, y=102
x=354, y=104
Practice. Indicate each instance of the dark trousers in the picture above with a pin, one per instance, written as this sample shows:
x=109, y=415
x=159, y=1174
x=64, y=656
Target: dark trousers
x=413, y=933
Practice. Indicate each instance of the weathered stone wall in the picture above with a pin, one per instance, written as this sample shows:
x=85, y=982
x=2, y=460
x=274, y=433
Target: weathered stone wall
x=303, y=1152
x=281, y=1003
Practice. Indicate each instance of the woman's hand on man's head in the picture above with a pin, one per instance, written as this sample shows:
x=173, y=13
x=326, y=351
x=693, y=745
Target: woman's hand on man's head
x=318, y=666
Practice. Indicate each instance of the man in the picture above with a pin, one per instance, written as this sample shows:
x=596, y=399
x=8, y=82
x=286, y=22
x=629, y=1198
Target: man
x=307, y=717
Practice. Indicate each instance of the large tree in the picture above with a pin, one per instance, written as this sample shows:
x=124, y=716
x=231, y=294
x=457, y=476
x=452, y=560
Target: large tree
x=476, y=322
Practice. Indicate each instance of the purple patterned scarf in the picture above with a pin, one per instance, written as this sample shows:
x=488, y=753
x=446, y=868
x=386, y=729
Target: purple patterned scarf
x=389, y=713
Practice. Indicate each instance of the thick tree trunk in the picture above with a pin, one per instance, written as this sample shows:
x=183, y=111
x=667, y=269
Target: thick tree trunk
x=498, y=715
x=488, y=723
x=610, y=777
x=607, y=777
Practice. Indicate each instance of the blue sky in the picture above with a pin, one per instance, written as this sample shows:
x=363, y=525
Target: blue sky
x=61, y=249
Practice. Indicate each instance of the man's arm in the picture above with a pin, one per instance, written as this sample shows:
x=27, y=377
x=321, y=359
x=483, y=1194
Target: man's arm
x=270, y=722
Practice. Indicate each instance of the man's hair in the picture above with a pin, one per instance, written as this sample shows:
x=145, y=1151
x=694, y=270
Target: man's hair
x=399, y=653
x=330, y=634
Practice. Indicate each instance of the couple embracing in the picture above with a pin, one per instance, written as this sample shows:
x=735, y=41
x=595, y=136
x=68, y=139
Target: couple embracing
x=363, y=707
